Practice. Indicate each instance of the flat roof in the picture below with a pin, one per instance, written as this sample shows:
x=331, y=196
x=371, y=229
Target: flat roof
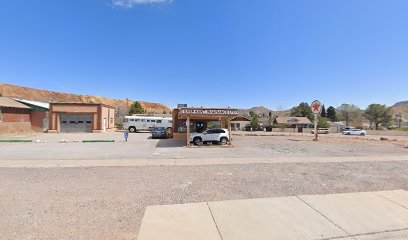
x=81, y=103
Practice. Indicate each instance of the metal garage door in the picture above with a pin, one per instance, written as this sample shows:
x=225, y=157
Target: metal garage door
x=76, y=123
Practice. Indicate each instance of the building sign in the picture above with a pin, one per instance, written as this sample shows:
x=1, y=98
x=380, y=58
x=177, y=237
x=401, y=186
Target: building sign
x=316, y=107
x=210, y=111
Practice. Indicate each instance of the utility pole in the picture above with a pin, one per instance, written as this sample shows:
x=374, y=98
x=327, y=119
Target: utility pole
x=126, y=108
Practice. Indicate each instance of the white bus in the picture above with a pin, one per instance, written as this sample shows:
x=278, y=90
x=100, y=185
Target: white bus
x=145, y=123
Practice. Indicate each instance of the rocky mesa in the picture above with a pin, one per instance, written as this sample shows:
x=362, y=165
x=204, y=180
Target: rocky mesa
x=49, y=96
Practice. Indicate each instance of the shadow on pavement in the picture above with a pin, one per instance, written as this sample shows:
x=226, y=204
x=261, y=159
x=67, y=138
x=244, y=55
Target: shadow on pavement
x=169, y=143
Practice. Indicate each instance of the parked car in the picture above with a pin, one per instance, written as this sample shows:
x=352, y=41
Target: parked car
x=355, y=132
x=322, y=131
x=159, y=132
x=212, y=135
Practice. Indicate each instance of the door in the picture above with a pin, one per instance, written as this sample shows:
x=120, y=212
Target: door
x=199, y=127
x=76, y=123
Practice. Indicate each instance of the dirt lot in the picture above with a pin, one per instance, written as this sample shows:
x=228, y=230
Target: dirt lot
x=141, y=147
x=109, y=202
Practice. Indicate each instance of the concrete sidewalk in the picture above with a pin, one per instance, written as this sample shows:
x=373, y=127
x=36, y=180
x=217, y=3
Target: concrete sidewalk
x=351, y=216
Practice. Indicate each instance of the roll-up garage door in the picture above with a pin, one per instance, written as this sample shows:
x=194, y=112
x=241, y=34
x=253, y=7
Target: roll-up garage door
x=76, y=123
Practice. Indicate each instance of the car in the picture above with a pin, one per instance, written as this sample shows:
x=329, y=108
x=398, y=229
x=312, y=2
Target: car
x=322, y=131
x=159, y=132
x=211, y=135
x=355, y=131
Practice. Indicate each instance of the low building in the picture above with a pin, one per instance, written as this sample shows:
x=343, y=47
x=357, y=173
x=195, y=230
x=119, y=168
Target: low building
x=187, y=120
x=239, y=123
x=81, y=117
x=39, y=114
x=297, y=123
x=14, y=116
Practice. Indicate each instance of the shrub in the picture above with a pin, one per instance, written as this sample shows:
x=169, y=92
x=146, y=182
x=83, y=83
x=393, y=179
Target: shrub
x=268, y=128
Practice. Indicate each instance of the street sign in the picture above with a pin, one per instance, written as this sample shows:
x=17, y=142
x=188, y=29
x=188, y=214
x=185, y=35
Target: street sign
x=316, y=107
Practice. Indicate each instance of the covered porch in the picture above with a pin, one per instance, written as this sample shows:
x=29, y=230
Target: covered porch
x=189, y=120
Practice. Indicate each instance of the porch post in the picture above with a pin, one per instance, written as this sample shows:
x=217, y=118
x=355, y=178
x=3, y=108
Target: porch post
x=229, y=130
x=188, y=130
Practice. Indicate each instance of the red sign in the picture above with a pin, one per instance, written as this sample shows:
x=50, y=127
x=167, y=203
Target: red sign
x=316, y=107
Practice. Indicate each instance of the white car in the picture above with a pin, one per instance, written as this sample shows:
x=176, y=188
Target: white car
x=358, y=132
x=212, y=135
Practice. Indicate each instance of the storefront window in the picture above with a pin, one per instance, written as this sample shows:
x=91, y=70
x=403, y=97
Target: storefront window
x=213, y=124
x=1, y=116
x=181, y=126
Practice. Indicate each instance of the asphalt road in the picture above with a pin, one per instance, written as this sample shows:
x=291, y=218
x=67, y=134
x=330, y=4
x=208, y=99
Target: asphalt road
x=109, y=203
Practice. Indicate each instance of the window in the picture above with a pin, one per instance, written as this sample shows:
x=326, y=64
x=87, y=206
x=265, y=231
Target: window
x=88, y=122
x=213, y=124
x=64, y=122
x=80, y=121
x=153, y=120
x=72, y=122
x=137, y=120
x=159, y=121
x=143, y=120
x=125, y=120
x=148, y=120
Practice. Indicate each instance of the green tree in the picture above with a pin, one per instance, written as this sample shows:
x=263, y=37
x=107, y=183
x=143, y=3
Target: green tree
x=136, y=108
x=349, y=113
x=322, y=123
x=331, y=114
x=378, y=114
x=323, y=114
x=303, y=110
x=255, y=122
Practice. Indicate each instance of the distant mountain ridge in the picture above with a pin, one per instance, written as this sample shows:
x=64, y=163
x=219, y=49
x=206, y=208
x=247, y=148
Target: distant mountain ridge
x=401, y=108
x=50, y=96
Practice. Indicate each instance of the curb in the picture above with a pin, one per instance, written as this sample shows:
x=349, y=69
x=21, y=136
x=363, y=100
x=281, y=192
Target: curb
x=97, y=141
x=15, y=141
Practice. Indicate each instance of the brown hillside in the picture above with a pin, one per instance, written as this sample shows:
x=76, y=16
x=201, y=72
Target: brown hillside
x=48, y=96
x=401, y=108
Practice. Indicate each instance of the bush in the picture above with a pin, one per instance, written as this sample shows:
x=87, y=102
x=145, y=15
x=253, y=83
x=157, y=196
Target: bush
x=268, y=128
x=248, y=128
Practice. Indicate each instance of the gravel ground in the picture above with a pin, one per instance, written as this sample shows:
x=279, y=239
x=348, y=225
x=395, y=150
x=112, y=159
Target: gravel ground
x=140, y=147
x=108, y=203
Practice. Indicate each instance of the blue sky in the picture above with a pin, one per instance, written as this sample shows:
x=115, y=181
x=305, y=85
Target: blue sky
x=210, y=52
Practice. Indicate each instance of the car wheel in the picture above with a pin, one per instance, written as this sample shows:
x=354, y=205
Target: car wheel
x=197, y=140
x=362, y=134
x=348, y=133
x=132, y=129
x=224, y=141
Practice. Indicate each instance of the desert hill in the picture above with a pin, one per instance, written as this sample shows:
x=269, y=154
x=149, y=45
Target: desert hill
x=49, y=96
x=401, y=108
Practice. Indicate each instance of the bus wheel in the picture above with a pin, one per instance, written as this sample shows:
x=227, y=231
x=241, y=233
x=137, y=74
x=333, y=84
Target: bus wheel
x=132, y=129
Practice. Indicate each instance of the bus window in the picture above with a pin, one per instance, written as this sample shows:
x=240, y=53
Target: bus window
x=143, y=120
x=153, y=120
x=148, y=120
x=159, y=121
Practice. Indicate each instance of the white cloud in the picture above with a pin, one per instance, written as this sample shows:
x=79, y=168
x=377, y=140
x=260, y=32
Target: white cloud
x=133, y=3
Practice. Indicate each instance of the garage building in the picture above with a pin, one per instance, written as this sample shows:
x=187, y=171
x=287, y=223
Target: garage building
x=81, y=117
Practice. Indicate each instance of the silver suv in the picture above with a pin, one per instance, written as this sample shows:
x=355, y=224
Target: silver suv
x=212, y=135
